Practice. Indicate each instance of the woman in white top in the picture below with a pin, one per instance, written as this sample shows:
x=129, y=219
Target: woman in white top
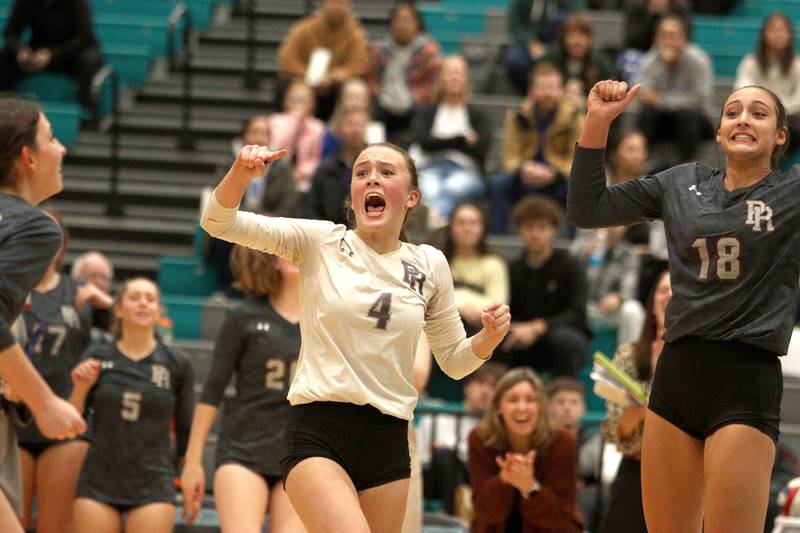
x=365, y=297
x=775, y=65
x=452, y=138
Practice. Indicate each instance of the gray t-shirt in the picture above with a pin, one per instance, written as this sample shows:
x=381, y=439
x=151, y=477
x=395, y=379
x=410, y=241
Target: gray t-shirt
x=395, y=96
x=734, y=256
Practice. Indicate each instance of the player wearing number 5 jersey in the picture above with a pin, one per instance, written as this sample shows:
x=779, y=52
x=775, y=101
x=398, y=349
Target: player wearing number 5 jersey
x=135, y=389
x=258, y=343
x=365, y=297
x=733, y=239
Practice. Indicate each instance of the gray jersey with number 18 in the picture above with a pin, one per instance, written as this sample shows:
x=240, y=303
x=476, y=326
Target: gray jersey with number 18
x=734, y=256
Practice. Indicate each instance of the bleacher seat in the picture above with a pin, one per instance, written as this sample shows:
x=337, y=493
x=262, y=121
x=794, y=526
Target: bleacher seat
x=186, y=275
x=186, y=314
x=65, y=119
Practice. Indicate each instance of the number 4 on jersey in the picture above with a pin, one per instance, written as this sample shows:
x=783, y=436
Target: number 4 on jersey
x=381, y=310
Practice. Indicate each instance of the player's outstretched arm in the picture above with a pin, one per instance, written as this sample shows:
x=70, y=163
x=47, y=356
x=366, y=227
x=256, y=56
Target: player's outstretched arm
x=606, y=101
x=193, y=478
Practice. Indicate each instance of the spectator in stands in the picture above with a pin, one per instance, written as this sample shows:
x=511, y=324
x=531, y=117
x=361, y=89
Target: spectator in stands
x=775, y=65
x=354, y=95
x=566, y=399
x=442, y=438
x=274, y=193
x=581, y=66
x=261, y=360
x=676, y=89
x=330, y=188
x=624, y=425
x=403, y=73
x=522, y=469
x=479, y=277
x=94, y=267
x=548, y=296
x=140, y=394
x=61, y=40
x=641, y=17
x=627, y=157
x=538, y=142
x=612, y=268
x=333, y=32
x=532, y=25
x=296, y=130
x=453, y=138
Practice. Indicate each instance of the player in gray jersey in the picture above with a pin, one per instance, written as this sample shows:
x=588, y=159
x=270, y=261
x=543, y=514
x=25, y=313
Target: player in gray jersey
x=258, y=343
x=138, y=391
x=58, y=334
x=733, y=239
x=366, y=295
x=30, y=172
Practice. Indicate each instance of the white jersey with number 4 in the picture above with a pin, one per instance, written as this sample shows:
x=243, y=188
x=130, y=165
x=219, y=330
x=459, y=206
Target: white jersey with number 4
x=361, y=312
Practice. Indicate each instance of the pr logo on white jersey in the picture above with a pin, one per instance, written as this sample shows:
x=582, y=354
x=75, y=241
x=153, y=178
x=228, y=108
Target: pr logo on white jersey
x=693, y=188
x=758, y=212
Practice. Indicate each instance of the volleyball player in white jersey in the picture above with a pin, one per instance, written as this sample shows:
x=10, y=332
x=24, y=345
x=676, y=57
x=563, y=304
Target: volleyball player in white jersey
x=365, y=297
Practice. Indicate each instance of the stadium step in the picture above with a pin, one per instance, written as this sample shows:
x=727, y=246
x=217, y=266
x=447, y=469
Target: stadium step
x=232, y=95
x=165, y=159
x=78, y=172
x=157, y=142
x=128, y=228
x=200, y=127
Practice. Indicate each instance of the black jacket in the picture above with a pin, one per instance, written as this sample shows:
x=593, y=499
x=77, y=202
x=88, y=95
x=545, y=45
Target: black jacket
x=422, y=123
x=63, y=26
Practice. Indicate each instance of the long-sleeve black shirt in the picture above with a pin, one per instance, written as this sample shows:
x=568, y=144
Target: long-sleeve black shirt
x=63, y=26
x=260, y=348
x=734, y=256
x=555, y=292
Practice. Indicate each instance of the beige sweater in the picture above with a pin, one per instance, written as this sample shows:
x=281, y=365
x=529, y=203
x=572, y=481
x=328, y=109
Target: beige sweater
x=347, y=43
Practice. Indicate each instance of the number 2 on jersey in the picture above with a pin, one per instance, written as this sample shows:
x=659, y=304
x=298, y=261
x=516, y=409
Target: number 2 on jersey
x=381, y=310
x=728, y=250
x=276, y=377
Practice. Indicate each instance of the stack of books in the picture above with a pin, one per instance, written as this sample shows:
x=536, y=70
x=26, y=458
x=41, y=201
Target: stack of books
x=614, y=385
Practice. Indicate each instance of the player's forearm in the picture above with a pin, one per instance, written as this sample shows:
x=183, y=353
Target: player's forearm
x=203, y=420
x=17, y=370
x=595, y=133
x=78, y=398
x=231, y=189
x=483, y=345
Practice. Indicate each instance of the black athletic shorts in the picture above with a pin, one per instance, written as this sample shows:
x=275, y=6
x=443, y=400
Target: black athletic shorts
x=701, y=385
x=370, y=446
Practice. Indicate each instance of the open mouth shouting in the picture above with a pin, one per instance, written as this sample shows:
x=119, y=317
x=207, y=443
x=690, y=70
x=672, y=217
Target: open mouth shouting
x=374, y=204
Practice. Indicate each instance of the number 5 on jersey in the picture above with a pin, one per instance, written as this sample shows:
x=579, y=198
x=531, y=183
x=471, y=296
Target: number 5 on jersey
x=131, y=406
